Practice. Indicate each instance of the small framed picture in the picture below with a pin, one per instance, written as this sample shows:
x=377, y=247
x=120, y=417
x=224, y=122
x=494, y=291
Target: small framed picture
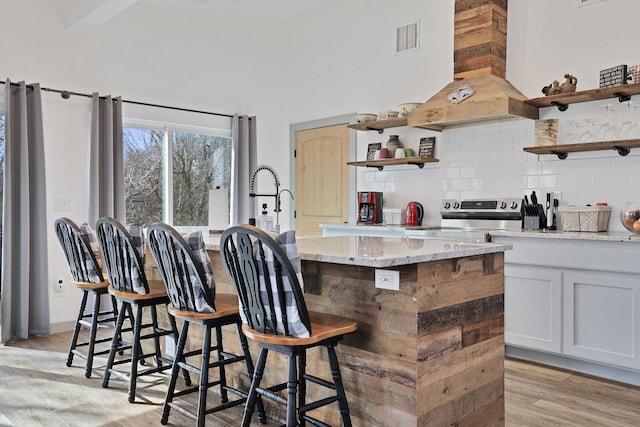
x=371, y=150
x=427, y=146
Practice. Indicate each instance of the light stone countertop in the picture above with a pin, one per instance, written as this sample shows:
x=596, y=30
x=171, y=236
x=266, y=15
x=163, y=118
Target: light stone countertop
x=381, y=252
x=611, y=236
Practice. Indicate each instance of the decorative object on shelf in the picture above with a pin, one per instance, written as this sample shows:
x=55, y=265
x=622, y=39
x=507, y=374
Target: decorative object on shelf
x=546, y=132
x=407, y=107
x=427, y=146
x=388, y=115
x=614, y=76
x=633, y=73
x=408, y=152
x=630, y=217
x=393, y=144
x=460, y=94
x=371, y=150
x=569, y=85
x=366, y=117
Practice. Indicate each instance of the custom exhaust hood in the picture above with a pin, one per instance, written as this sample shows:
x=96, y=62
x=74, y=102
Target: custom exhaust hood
x=480, y=53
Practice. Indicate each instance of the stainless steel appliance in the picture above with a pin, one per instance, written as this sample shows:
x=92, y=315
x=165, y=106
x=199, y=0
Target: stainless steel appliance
x=369, y=207
x=473, y=220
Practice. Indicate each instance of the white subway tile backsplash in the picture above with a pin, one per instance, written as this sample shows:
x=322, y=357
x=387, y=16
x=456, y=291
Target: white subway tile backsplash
x=542, y=181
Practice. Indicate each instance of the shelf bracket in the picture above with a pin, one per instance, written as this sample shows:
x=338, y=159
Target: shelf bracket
x=377, y=167
x=419, y=165
x=380, y=131
x=560, y=105
x=622, y=150
x=560, y=155
x=622, y=97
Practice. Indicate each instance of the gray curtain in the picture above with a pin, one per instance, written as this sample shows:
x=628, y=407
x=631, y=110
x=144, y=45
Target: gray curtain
x=24, y=300
x=243, y=129
x=106, y=175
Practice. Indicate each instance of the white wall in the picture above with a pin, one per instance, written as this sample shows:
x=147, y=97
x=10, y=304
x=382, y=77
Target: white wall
x=333, y=61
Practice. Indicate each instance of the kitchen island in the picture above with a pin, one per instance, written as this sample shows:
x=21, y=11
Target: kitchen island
x=430, y=353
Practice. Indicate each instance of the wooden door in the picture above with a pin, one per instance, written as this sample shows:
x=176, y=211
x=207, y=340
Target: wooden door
x=322, y=178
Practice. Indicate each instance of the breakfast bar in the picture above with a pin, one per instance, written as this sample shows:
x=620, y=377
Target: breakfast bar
x=429, y=349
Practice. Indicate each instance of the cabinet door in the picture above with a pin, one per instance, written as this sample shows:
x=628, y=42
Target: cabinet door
x=533, y=308
x=601, y=319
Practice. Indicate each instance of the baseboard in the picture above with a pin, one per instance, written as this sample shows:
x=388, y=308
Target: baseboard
x=56, y=328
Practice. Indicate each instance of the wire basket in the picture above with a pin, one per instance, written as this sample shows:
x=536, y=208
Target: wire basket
x=585, y=218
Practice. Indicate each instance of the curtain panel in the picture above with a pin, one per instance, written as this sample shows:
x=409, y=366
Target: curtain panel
x=243, y=130
x=106, y=174
x=24, y=297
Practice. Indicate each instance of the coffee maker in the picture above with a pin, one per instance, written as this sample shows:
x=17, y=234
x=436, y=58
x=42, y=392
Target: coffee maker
x=369, y=205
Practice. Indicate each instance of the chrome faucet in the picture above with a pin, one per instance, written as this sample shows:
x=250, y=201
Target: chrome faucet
x=278, y=210
x=252, y=194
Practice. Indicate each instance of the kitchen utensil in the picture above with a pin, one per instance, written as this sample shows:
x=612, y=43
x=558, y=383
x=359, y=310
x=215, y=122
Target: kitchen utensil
x=399, y=153
x=385, y=153
x=408, y=152
x=534, y=198
x=415, y=214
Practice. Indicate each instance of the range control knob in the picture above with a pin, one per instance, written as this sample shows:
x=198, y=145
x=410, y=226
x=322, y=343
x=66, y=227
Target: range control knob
x=503, y=205
x=456, y=205
x=447, y=205
x=514, y=205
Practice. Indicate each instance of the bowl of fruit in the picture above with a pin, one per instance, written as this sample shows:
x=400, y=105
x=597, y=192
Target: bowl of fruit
x=630, y=217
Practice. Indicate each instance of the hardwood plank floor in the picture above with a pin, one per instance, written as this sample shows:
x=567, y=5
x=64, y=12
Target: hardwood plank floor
x=37, y=389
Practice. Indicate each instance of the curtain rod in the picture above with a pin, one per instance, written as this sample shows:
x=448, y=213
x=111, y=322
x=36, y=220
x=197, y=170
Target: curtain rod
x=66, y=94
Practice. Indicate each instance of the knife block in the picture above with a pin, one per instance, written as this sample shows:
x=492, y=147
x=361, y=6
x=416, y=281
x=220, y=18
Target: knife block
x=534, y=218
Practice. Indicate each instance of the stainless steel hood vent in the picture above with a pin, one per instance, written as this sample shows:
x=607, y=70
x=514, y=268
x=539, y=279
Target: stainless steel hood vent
x=480, y=46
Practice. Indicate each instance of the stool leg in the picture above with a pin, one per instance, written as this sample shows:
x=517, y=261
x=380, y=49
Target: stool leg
x=174, y=329
x=92, y=332
x=174, y=372
x=262, y=416
x=221, y=369
x=337, y=380
x=204, y=375
x=156, y=338
x=76, y=329
x=114, y=345
x=292, y=388
x=302, y=384
x=136, y=353
x=255, y=383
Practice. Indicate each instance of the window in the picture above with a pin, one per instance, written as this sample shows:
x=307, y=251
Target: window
x=1, y=167
x=169, y=170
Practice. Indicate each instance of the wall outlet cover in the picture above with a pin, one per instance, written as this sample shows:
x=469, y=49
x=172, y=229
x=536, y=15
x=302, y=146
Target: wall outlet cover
x=388, y=279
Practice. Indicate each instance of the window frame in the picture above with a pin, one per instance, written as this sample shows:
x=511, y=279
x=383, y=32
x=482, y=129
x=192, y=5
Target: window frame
x=169, y=129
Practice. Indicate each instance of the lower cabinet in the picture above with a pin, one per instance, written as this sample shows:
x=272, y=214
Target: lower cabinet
x=588, y=315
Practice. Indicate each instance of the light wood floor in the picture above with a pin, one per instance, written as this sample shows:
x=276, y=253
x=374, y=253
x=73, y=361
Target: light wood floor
x=37, y=389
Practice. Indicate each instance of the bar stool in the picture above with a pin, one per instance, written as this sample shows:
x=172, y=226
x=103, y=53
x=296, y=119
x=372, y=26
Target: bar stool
x=267, y=276
x=122, y=253
x=88, y=277
x=186, y=270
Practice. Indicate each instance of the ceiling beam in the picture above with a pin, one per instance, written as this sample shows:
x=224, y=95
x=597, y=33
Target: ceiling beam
x=85, y=15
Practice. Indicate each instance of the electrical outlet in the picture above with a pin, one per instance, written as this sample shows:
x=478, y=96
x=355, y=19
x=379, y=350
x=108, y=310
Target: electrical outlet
x=170, y=346
x=388, y=279
x=58, y=287
x=557, y=195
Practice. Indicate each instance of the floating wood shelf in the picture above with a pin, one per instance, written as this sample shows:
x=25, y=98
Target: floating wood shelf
x=380, y=164
x=381, y=125
x=623, y=147
x=562, y=100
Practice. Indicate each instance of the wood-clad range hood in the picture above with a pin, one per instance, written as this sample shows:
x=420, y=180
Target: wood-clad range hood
x=479, y=61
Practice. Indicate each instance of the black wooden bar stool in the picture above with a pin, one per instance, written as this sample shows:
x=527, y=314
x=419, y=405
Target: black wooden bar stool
x=267, y=276
x=122, y=253
x=188, y=276
x=87, y=276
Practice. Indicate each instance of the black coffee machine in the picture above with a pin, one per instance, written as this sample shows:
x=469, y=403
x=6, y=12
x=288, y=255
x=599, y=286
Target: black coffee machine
x=369, y=207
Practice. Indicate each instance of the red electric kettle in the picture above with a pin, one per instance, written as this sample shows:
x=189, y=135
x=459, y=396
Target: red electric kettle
x=415, y=213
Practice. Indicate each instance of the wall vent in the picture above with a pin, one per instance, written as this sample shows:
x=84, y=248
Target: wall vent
x=408, y=38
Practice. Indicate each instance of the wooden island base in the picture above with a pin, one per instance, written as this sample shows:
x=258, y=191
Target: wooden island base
x=430, y=354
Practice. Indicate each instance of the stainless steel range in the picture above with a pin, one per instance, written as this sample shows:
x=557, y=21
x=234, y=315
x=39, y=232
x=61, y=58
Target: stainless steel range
x=473, y=220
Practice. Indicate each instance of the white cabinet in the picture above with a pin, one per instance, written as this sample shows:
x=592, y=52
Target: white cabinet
x=602, y=318
x=533, y=308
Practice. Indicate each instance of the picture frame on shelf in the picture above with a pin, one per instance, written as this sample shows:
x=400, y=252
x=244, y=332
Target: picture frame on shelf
x=371, y=150
x=427, y=146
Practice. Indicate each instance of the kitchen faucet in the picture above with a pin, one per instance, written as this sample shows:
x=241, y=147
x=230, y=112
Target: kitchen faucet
x=252, y=193
x=278, y=210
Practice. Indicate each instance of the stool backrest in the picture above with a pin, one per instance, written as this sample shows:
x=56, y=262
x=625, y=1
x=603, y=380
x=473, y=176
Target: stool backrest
x=83, y=264
x=121, y=256
x=183, y=273
x=270, y=296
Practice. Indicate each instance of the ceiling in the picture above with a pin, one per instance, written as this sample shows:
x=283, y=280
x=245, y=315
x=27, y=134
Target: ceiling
x=84, y=15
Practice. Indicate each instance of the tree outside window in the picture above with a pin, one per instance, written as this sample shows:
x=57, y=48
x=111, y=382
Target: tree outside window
x=195, y=161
